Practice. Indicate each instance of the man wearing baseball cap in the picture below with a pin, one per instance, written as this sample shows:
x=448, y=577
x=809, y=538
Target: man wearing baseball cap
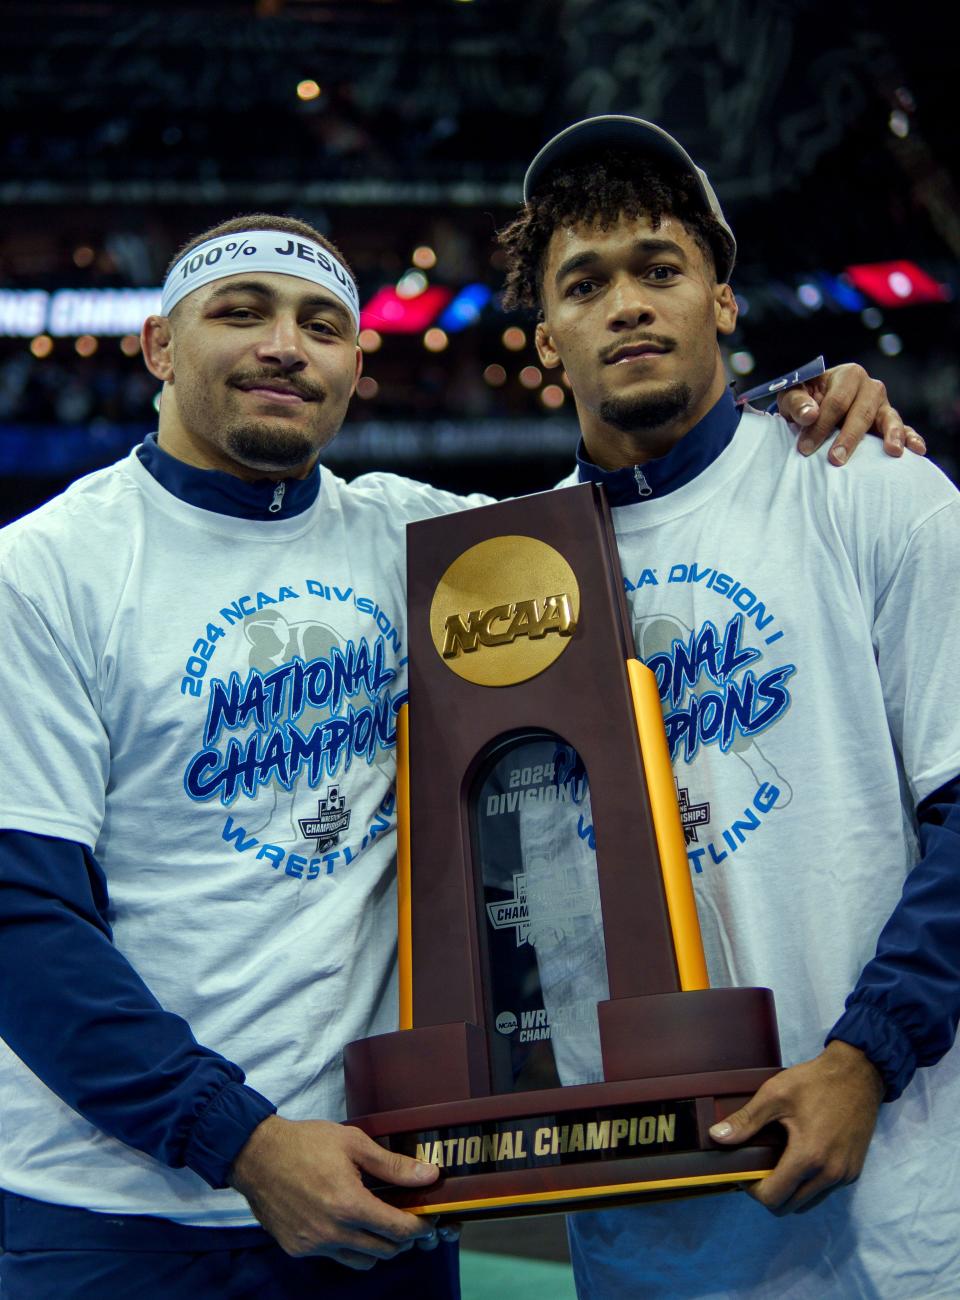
x=826, y=867
x=206, y=648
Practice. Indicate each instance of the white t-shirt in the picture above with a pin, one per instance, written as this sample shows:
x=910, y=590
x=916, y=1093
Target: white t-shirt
x=264, y=915
x=831, y=572
x=803, y=625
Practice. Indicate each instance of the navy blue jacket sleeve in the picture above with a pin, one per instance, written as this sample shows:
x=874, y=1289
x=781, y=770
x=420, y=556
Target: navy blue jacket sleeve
x=904, y=1010
x=79, y=1016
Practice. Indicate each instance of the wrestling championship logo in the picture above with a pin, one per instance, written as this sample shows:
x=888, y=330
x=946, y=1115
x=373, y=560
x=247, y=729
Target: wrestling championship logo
x=332, y=819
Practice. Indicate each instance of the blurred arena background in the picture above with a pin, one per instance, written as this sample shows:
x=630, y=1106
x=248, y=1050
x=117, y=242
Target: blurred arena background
x=403, y=130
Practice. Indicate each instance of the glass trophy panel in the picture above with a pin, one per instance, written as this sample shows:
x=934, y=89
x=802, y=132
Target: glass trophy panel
x=543, y=952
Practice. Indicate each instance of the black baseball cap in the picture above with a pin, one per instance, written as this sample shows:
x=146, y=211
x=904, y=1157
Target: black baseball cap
x=585, y=139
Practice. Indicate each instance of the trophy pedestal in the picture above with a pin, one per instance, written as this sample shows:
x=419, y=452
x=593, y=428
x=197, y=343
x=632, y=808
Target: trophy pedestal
x=643, y=1132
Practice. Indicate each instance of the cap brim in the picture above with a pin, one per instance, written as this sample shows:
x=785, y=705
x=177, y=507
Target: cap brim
x=585, y=139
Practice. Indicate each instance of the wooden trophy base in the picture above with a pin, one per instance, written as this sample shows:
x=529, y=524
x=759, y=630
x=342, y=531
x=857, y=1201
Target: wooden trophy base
x=568, y=1148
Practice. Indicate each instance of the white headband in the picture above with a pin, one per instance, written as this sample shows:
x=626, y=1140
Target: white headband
x=260, y=250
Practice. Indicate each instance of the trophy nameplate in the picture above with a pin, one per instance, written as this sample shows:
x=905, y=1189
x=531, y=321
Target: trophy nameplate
x=559, y=1044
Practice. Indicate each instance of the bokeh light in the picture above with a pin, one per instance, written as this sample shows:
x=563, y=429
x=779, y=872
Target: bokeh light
x=41, y=346
x=531, y=377
x=412, y=284
x=513, y=338
x=899, y=123
x=308, y=89
x=369, y=340
x=495, y=376
x=435, y=340
x=424, y=257
x=900, y=284
x=553, y=397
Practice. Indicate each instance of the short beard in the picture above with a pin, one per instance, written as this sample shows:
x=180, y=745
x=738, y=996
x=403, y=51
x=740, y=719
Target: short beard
x=654, y=411
x=260, y=446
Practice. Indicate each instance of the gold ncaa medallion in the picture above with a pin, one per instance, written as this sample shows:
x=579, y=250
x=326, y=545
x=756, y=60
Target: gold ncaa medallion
x=504, y=610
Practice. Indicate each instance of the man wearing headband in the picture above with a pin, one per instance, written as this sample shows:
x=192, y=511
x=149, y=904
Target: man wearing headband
x=825, y=865
x=198, y=853
x=198, y=818
x=274, y=411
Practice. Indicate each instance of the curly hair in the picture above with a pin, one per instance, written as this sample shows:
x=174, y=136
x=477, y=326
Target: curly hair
x=260, y=221
x=614, y=184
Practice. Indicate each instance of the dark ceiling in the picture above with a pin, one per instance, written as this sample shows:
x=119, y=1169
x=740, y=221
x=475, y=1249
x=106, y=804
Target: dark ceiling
x=828, y=129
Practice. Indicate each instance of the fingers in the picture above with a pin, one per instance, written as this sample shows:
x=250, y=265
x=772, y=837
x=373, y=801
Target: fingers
x=761, y=1109
x=303, y=1182
x=779, y=1187
x=369, y=1253
x=358, y=1237
x=447, y=1233
x=828, y=1107
x=391, y=1166
x=914, y=442
x=432, y=1240
x=845, y=397
x=811, y=1202
x=394, y=1227
x=353, y=1259
x=364, y=1240
x=376, y=1216
x=361, y=1229
x=897, y=435
x=857, y=402
x=798, y=1184
x=798, y=406
x=892, y=429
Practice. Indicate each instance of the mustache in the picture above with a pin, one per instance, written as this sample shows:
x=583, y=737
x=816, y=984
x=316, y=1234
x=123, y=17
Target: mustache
x=658, y=340
x=289, y=383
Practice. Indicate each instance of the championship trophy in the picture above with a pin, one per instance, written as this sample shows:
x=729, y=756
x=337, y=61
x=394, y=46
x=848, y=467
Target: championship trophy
x=559, y=1045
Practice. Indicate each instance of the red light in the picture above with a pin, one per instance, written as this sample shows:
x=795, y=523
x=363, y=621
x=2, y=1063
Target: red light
x=897, y=284
x=388, y=313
